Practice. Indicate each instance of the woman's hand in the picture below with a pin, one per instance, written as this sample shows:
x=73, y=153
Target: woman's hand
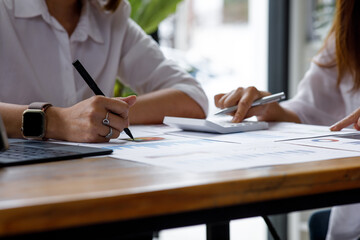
x=244, y=97
x=353, y=118
x=83, y=122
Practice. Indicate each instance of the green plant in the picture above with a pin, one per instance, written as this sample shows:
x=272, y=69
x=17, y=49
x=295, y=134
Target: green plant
x=148, y=14
x=121, y=90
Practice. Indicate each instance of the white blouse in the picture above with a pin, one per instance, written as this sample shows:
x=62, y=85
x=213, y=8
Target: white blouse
x=36, y=56
x=320, y=101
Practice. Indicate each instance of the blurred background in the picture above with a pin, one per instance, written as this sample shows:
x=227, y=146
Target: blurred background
x=230, y=43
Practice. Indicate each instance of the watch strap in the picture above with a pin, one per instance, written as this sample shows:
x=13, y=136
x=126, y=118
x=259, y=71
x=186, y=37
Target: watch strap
x=40, y=105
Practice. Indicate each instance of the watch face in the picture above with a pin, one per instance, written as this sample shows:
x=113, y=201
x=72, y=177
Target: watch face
x=33, y=123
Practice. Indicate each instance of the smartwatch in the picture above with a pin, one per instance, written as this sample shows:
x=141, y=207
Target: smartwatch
x=34, y=121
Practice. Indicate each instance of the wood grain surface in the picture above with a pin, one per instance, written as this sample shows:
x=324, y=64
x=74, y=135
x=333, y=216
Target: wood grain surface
x=62, y=194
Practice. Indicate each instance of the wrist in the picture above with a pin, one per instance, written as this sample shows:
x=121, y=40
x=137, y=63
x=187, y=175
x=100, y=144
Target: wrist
x=276, y=113
x=53, y=115
x=291, y=116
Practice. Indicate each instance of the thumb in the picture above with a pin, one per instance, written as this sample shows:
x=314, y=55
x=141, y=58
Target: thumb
x=130, y=100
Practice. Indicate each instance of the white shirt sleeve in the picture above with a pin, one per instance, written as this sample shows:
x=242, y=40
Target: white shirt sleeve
x=344, y=223
x=319, y=99
x=144, y=68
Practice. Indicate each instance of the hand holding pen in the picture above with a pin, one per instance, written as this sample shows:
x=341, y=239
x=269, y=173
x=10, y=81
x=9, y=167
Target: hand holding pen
x=247, y=102
x=110, y=114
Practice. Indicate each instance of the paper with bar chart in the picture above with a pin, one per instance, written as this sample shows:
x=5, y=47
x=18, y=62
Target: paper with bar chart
x=349, y=142
x=202, y=155
x=166, y=147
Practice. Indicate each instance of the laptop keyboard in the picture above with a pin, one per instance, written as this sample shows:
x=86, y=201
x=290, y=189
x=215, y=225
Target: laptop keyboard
x=21, y=152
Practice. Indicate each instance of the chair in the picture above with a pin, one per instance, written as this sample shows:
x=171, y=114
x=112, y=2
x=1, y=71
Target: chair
x=318, y=224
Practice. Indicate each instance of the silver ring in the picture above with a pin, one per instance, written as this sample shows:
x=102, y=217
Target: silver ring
x=106, y=121
x=110, y=133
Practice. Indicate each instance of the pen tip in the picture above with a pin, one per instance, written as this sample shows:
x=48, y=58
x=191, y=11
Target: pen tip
x=127, y=131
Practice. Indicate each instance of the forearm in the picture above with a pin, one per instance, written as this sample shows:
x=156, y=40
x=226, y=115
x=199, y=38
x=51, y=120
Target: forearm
x=276, y=113
x=12, y=117
x=151, y=108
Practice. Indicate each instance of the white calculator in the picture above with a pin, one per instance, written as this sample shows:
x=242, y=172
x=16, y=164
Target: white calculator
x=214, y=126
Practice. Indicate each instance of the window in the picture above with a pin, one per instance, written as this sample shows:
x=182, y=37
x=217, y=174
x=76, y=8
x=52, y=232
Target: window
x=310, y=23
x=322, y=16
x=222, y=42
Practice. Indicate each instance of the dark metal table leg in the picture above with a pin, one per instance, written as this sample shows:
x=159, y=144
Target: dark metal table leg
x=218, y=231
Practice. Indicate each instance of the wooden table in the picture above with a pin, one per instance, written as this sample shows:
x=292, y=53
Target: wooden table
x=137, y=198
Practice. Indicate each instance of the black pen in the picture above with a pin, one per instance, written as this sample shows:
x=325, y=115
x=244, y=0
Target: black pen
x=88, y=79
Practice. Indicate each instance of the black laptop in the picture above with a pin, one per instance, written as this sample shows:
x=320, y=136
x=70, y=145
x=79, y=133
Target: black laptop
x=22, y=151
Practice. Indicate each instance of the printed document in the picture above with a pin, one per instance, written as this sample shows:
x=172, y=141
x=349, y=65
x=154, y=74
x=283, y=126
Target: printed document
x=283, y=143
